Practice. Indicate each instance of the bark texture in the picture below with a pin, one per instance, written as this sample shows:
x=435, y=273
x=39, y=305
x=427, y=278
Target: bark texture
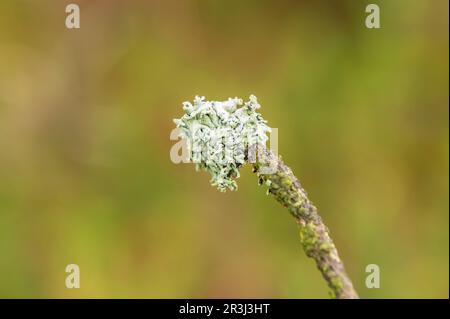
x=314, y=235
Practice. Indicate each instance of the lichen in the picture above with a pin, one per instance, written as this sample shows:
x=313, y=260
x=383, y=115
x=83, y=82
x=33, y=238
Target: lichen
x=309, y=237
x=336, y=284
x=219, y=134
x=326, y=246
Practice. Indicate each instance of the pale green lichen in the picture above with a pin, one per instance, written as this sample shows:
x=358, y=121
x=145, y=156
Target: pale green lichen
x=219, y=134
x=336, y=284
x=309, y=238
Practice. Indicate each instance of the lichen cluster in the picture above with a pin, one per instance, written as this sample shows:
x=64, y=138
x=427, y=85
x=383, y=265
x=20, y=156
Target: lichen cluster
x=219, y=134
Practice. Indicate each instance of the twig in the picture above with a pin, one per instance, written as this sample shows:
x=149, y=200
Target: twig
x=314, y=235
x=232, y=125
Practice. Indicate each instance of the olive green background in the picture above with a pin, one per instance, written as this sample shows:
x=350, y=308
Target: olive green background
x=85, y=174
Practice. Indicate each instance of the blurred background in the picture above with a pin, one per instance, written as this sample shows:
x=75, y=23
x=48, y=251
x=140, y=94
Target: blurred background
x=85, y=173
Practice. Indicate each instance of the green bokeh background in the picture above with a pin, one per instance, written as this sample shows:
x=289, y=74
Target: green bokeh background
x=85, y=174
